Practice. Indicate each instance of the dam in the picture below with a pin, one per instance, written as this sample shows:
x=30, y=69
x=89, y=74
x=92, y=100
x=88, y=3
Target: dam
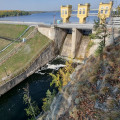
x=67, y=40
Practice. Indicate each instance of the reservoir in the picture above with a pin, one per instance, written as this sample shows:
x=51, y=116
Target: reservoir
x=47, y=18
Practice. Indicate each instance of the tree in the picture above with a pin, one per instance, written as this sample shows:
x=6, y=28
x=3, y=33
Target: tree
x=63, y=76
x=32, y=109
x=100, y=31
x=96, y=24
x=48, y=100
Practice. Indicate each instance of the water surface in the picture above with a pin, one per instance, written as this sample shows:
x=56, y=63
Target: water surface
x=47, y=18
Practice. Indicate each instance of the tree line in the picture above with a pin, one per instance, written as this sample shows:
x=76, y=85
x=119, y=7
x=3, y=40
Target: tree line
x=6, y=13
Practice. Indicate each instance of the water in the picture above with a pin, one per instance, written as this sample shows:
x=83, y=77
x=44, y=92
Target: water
x=47, y=18
x=12, y=105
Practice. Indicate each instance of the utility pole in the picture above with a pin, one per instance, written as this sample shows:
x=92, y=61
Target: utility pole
x=54, y=19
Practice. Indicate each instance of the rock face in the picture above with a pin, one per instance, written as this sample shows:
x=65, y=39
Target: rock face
x=93, y=92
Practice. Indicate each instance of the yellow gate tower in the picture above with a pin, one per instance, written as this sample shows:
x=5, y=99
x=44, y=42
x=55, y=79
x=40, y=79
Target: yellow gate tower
x=66, y=13
x=104, y=11
x=83, y=11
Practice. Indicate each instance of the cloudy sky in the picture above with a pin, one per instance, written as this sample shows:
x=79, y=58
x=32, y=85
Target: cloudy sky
x=47, y=5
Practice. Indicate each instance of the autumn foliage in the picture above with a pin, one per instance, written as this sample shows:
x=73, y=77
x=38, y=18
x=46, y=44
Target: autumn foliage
x=6, y=13
x=63, y=76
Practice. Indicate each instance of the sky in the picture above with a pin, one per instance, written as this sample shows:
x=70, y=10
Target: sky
x=47, y=5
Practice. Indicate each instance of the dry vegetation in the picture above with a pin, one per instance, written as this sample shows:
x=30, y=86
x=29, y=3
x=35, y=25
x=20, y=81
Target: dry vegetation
x=96, y=88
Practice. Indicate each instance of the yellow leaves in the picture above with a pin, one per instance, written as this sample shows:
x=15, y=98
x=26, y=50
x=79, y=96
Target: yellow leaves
x=68, y=67
x=56, y=80
x=44, y=99
x=63, y=76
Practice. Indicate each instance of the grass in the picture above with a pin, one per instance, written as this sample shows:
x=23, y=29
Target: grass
x=9, y=49
x=3, y=43
x=12, y=31
x=28, y=32
x=15, y=44
x=24, y=56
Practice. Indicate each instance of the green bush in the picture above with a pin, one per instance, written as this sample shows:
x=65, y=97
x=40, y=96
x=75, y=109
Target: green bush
x=96, y=24
x=92, y=36
x=90, y=44
x=48, y=100
x=32, y=110
x=100, y=48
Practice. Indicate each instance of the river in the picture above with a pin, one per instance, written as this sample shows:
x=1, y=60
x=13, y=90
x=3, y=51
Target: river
x=46, y=18
x=12, y=105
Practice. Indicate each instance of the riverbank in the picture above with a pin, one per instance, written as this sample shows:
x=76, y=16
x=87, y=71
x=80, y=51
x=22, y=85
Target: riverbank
x=7, y=13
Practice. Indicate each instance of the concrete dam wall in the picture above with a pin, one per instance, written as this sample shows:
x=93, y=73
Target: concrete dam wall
x=67, y=44
x=58, y=35
x=46, y=56
x=81, y=54
x=71, y=44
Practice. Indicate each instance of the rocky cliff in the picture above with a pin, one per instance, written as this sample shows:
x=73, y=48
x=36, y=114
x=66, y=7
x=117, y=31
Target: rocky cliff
x=93, y=92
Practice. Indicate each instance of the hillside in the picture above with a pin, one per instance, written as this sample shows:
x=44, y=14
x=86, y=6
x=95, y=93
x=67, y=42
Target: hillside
x=94, y=90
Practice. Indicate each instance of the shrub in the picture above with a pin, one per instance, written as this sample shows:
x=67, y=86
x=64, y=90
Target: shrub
x=94, y=97
x=48, y=100
x=93, y=79
x=100, y=49
x=104, y=90
x=32, y=109
x=63, y=76
x=96, y=24
x=92, y=36
x=111, y=103
x=90, y=44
